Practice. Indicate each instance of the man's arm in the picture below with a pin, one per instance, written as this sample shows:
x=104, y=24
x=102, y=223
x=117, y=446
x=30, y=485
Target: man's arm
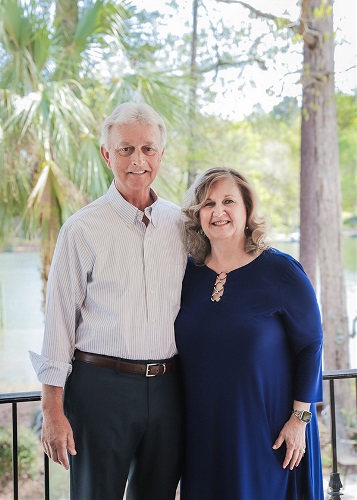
x=57, y=435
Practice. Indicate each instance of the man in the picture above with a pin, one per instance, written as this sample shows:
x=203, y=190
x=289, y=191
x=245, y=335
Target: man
x=113, y=295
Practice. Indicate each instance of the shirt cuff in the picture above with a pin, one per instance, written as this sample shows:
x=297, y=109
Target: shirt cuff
x=50, y=372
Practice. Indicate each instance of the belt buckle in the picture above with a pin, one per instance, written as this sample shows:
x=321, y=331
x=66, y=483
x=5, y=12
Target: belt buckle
x=147, y=374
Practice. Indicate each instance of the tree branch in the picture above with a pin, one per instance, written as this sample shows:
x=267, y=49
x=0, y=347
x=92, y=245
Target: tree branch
x=222, y=64
x=258, y=13
x=309, y=35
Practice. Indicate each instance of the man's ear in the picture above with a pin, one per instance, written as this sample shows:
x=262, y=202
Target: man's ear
x=105, y=155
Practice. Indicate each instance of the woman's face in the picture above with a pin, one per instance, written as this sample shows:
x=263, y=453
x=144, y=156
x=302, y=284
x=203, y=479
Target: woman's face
x=223, y=214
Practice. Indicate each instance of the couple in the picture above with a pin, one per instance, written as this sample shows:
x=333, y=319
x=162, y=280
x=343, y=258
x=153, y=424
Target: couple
x=231, y=413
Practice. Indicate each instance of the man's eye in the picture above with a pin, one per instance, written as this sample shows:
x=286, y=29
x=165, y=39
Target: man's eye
x=149, y=151
x=125, y=151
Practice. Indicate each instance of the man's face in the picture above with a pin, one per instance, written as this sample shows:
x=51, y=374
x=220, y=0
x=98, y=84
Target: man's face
x=134, y=154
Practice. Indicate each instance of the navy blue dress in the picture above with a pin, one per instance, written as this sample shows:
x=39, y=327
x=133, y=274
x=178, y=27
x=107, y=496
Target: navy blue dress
x=245, y=359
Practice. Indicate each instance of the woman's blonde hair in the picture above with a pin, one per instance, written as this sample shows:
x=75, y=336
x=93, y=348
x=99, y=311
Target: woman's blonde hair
x=197, y=243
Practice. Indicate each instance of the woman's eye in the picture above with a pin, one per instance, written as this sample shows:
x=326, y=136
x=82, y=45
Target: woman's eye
x=227, y=202
x=209, y=204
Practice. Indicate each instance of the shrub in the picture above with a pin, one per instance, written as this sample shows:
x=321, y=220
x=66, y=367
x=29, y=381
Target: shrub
x=28, y=454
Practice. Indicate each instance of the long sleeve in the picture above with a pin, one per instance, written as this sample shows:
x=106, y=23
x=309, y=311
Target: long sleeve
x=302, y=320
x=66, y=292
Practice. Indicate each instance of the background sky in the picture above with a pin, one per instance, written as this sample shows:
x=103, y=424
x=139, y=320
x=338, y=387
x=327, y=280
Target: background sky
x=282, y=78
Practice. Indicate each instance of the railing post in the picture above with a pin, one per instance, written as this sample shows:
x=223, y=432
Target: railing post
x=15, y=466
x=47, y=477
x=335, y=481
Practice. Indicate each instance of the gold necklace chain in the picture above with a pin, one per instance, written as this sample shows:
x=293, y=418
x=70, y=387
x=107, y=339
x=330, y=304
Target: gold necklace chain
x=218, y=287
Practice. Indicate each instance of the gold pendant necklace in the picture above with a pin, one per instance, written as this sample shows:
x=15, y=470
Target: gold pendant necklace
x=218, y=288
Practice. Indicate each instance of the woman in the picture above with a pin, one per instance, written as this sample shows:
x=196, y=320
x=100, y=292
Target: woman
x=250, y=341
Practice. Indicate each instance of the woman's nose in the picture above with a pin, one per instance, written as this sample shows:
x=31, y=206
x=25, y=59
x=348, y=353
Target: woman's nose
x=218, y=213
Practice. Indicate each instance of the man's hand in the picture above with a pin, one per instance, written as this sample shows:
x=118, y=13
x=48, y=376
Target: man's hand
x=57, y=435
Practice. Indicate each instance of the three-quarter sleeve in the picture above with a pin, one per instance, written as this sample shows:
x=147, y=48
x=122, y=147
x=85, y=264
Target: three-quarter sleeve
x=66, y=291
x=302, y=321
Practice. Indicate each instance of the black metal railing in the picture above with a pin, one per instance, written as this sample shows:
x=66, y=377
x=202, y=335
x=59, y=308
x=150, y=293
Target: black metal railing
x=335, y=484
x=14, y=400
x=331, y=376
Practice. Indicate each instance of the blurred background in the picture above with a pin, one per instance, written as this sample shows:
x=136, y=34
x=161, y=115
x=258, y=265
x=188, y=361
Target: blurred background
x=268, y=88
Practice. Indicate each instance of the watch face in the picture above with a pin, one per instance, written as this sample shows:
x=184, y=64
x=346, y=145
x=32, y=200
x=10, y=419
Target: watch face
x=306, y=416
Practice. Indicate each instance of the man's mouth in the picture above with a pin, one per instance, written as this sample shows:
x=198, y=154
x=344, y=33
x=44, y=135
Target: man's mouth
x=139, y=172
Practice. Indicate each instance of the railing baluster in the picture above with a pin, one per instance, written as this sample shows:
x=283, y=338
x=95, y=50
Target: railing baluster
x=333, y=425
x=47, y=477
x=335, y=481
x=23, y=397
x=15, y=465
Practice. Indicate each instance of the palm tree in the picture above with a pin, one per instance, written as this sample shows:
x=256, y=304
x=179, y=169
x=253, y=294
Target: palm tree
x=53, y=96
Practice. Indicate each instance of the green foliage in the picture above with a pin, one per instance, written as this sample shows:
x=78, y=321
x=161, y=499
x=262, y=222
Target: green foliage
x=277, y=168
x=28, y=454
x=347, y=126
x=281, y=22
x=55, y=98
x=58, y=86
x=266, y=147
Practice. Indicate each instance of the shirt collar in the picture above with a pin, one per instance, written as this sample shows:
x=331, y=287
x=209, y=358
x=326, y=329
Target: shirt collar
x=127, y=211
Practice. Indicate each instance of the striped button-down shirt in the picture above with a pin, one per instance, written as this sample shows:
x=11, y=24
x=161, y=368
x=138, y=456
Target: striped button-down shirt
x=114, y=286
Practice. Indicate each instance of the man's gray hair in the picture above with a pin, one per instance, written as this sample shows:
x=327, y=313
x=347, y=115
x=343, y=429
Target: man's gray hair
x=130, y=112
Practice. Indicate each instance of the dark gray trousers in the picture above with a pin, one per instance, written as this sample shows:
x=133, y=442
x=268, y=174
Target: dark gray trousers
x=125, y=426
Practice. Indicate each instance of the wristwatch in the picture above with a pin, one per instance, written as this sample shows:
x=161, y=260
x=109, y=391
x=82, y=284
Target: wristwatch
x=303, y=415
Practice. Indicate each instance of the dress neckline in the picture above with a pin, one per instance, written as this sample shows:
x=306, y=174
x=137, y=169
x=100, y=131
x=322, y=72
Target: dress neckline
x=237, y=268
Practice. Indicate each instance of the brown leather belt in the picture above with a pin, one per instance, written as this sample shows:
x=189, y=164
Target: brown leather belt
x=117, y=364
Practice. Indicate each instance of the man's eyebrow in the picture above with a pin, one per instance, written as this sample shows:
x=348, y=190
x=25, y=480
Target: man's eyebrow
x=125, y=143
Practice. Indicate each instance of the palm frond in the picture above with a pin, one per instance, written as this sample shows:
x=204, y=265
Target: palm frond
x=53, y=199
x=26, y=42
x=161, y=90
x=92, y=175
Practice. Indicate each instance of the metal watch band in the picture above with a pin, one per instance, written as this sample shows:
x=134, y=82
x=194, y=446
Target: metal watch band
x=303, y=415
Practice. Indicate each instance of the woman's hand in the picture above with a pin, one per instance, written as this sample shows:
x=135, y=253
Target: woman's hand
x=293, y=433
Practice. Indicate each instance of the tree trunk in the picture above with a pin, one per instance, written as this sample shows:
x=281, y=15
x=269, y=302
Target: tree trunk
x=66, y=20
x=192, y=105
x=333, y=298
x=308, y=189
x=320, y=172
x=51, y=227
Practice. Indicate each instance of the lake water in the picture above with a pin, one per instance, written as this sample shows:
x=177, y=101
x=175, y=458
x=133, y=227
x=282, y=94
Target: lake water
x=22, y=319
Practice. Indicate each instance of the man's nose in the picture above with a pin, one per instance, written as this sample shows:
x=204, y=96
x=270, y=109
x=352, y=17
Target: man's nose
x=138, y=158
